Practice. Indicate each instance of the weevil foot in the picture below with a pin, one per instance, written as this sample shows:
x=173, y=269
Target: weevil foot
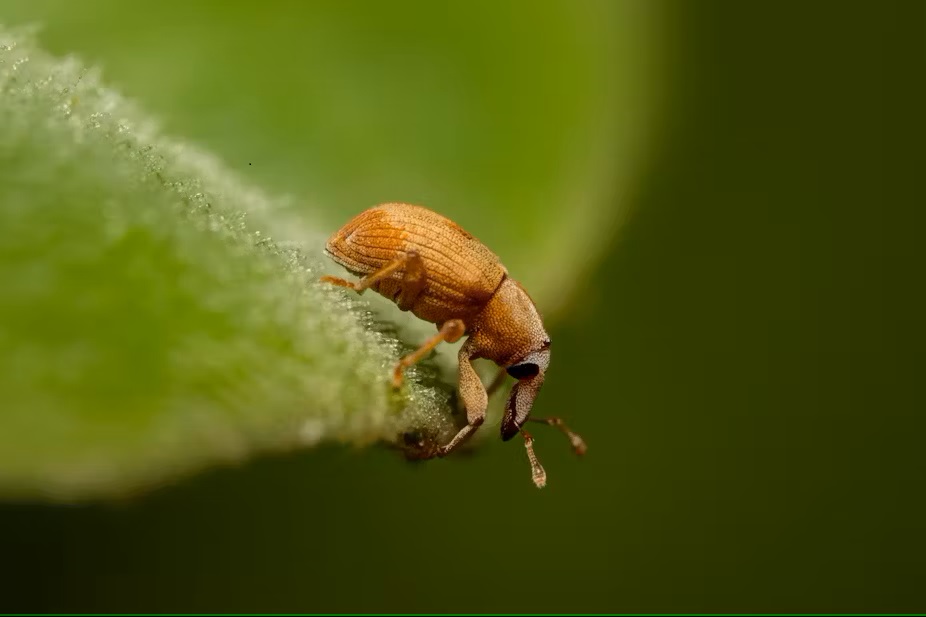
x=398, y=376
x=334, y=280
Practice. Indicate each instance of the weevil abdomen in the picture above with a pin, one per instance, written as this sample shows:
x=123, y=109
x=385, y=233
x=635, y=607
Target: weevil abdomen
x=462, y=274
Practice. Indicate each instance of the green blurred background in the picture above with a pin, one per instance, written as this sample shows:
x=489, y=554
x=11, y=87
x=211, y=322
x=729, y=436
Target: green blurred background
x=741, y=353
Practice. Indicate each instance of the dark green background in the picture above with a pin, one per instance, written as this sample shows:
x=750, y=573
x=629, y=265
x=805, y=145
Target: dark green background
x=745, y=365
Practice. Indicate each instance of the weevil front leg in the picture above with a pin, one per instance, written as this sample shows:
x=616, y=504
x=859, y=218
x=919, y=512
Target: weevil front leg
x=450, y=332
x=413, y=279
x=475, y=399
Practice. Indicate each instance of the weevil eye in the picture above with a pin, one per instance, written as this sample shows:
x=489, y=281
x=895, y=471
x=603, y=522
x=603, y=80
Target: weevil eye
x=524, y=370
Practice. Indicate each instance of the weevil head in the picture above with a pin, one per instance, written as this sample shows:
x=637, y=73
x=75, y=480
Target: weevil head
x=510, y=332
x=530, y=371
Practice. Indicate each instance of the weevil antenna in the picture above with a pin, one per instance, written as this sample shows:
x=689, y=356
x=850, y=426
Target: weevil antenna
x=578, y=444
x=538, y=474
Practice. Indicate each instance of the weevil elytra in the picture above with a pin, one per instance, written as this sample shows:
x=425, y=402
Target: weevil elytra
x=430, y=266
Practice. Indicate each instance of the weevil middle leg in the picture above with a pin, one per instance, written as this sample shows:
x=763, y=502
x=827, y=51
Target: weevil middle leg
x=450, y=332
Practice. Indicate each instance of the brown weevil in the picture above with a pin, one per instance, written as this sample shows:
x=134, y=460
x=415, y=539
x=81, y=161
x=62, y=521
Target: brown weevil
x=429, y=265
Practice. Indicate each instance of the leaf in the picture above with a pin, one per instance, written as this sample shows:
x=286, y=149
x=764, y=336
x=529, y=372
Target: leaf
x=149, y=324
x=527, y=123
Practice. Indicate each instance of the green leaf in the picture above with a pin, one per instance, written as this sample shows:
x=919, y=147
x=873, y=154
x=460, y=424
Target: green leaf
x=149, y=324
x=160, y=312
x=527, y=123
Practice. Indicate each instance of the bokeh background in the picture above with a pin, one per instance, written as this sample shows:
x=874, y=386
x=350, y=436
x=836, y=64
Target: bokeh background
x=704, y=195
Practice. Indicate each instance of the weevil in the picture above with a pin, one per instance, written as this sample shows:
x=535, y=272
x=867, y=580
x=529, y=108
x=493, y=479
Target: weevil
x=428, y=265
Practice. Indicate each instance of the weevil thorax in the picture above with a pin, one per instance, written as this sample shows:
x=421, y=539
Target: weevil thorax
x=510, y=329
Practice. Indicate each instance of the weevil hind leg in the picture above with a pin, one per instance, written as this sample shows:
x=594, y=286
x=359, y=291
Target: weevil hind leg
x=450, y=332
x=413, y=279
x=413, y=282
x=336, y=280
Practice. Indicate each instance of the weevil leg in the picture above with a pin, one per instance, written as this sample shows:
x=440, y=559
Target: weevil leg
x=578, y=444
x=450, y=332
x=475, y=399
x=413, y=279
x=496, y=383
x=336, y=280
x=412, y=282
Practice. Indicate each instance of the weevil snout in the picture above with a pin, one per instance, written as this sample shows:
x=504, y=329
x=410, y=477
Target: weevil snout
x=530, y=374
x=518, y=407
